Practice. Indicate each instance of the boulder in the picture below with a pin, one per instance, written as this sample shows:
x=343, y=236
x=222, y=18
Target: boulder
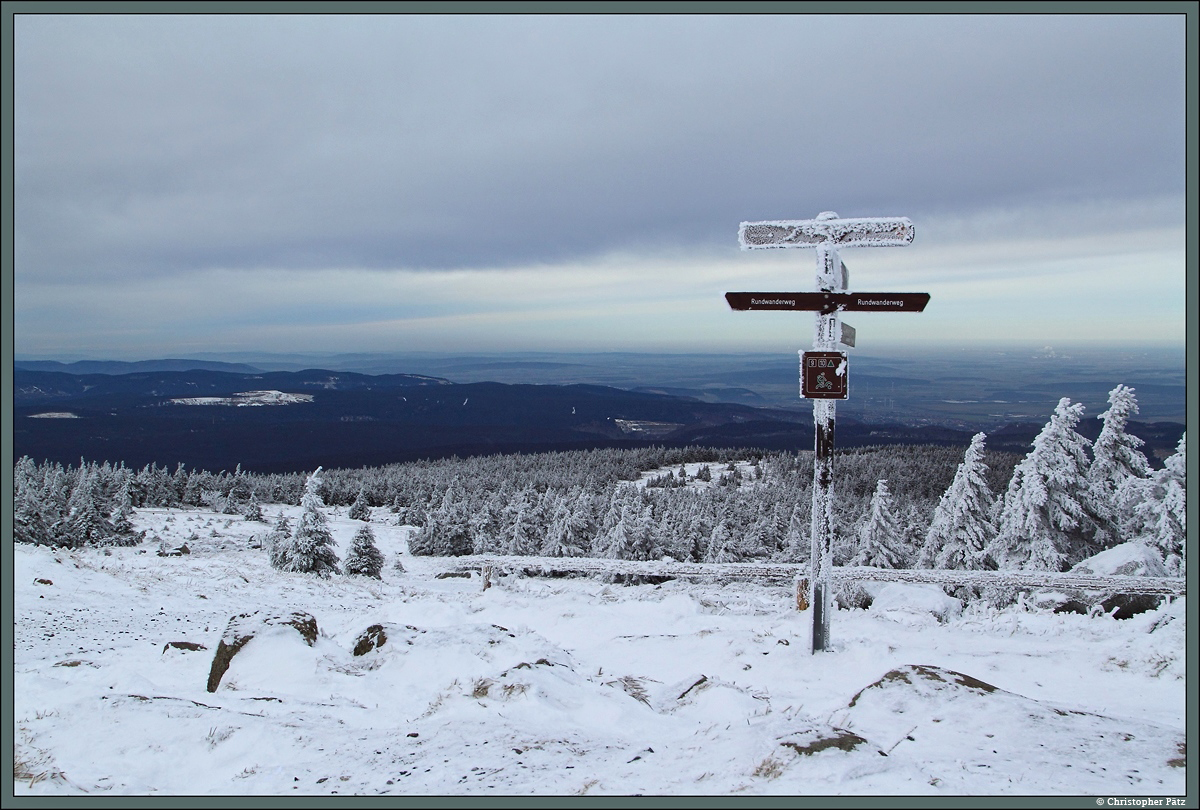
x=372, y=638
x=245, y=626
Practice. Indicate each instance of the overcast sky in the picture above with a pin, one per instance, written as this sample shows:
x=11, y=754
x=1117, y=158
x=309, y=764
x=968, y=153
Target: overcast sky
x=481, y=183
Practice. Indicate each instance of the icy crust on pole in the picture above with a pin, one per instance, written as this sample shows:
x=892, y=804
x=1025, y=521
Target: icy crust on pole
x=861, y=232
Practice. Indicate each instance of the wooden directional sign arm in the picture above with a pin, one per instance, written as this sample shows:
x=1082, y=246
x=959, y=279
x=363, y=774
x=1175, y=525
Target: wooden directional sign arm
x=827, y=302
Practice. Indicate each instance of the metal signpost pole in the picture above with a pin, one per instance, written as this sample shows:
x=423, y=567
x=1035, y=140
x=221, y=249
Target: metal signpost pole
x=824, y=371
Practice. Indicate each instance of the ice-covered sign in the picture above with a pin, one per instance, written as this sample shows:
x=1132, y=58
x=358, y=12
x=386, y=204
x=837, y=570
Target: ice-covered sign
x=831, y=232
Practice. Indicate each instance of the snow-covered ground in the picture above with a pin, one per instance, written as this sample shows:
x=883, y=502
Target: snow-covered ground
x=560, y=686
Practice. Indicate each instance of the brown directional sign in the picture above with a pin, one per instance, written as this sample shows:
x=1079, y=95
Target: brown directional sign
x=827, y=302
x=824, y=375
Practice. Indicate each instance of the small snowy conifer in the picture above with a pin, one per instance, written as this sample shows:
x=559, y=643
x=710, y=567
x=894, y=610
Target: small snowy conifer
x=279, y=544
x=360, y=509
x=312, y=544
x=253, y=509
x=364, y=558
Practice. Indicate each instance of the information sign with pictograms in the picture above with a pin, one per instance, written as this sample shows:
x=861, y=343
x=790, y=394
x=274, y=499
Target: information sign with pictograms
x=823, y=375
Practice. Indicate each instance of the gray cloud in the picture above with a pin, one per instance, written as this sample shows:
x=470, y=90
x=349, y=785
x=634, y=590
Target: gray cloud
x=150, y=144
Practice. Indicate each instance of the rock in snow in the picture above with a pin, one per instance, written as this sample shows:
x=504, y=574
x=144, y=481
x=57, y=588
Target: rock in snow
x=244, y=627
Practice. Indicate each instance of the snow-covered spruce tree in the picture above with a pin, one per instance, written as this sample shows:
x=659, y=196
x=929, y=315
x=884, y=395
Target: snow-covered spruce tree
x=364, y=558
x=1115, y=459
x=253, y=509
x=312, y=543
x=796, y=545
x=1157, y=509
x=628, y=533
x=85, y=524
x=445, y=531
x=360, y=509
x=52, y=506
x=279, y=544
x=518, y=532
x=879, y=536
x=962, y=529
x=29, y=526
x=1044, y=522
x=123, y=531
x=720, y=543
x=238, y=494
x=570, y=529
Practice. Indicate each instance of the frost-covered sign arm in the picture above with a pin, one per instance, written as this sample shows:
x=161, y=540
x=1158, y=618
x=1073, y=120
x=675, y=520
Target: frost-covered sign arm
x=863, y=232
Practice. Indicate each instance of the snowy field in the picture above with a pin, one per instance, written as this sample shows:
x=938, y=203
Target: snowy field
x=559, y=686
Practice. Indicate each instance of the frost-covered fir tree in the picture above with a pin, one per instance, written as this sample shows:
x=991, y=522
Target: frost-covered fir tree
x=279, y=544
x=360, y=509
x=312, y=544
x=720, y=544
x=483, y=523
x=962, y=529
x=121, y=517
x=570, y=529
x=1044, y=522
x=796, y=545
x=239, y=491
x=86, y=524
x=364, y=558
x=1116, y=458
x=445, y=531
x=518, y=534
x=628, y=532
x=1157, y=509
x=29, y=525
x=253, y=509
x=879, y=536
x=53, y=507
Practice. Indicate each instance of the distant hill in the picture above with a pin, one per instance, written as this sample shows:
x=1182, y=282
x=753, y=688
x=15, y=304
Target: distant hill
x=104, y=390
x=123, y=367
x=286, y=421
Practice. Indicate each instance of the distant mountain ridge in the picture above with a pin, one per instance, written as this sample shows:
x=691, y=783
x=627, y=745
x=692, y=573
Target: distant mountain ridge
x=340, y=419
x=318, y=417
x=133, y=366
x=103, y=389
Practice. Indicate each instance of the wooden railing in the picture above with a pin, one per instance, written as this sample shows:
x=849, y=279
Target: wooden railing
x=488, y=564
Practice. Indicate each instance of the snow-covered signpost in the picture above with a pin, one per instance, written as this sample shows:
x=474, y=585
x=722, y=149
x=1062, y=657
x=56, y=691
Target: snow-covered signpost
x=823, y=371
